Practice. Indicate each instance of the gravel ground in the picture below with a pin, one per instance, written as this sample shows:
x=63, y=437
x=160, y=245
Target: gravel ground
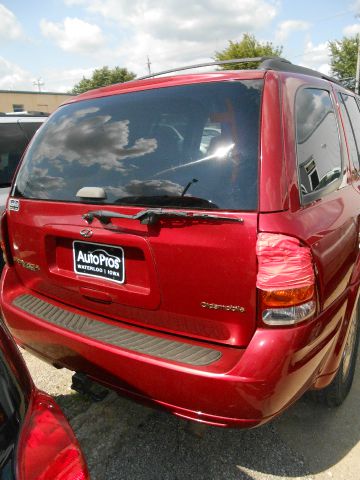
x=123, y=440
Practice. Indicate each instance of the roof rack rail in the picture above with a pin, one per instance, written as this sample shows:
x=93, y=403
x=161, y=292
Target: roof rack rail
x=207, y=64
x=281, y=64
x=265, y=63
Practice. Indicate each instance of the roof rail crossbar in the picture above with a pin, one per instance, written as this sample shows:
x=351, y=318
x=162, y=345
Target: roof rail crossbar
x=208, y=64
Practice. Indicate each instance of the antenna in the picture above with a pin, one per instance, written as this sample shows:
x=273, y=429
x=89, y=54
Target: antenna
x=148, y=63
x=39, y=83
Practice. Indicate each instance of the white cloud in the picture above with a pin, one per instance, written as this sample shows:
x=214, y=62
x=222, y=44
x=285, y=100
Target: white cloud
x=325, y=69
x=317, y=57
x=171, y=33
x=64, y=80
x=74, y=35
x=10, y=28
x=13, y=77
x=161, y=53
x=356, y=7
x=289, y=26
x=352, y=30
x=71, y=3
x=174, y=33
x=192, y=21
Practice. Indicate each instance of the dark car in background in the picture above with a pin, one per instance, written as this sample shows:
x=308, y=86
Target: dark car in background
x=36, y=440
x=16, y=130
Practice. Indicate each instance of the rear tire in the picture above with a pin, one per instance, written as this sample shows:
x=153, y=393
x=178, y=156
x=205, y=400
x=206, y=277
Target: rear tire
x=334, y=394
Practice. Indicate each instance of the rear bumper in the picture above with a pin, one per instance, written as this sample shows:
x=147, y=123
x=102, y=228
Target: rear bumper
x=239, y=388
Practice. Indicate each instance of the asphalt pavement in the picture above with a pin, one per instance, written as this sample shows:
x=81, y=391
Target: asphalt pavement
x=127, y=441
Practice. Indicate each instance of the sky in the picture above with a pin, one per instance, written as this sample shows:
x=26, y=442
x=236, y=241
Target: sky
x=57, y=42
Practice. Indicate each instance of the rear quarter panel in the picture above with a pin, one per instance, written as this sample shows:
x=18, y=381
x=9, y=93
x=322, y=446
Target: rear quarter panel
x=329, y=226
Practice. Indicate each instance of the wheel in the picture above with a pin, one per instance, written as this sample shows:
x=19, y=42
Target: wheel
x=334, y=394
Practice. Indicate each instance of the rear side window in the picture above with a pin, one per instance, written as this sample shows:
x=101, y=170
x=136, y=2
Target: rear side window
x=351, y=116
x=318, y=144
x=14, y=138
x=190, y=146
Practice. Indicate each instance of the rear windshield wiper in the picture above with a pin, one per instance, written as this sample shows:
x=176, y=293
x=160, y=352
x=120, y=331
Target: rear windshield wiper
x=151, y=216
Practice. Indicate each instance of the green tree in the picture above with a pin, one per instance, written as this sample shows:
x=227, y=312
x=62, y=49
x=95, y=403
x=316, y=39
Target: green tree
x=102, y=77
x=248, y=47
x=343, y=57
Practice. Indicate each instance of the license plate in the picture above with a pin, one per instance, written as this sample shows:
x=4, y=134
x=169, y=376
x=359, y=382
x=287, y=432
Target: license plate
x=99, y=260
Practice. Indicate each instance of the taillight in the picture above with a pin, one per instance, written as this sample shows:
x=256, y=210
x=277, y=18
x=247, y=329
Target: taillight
x=285, y=280
x=4, y=240
x=48, y=449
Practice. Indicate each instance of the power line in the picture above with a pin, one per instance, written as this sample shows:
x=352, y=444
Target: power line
x=310, y=52
x=336, y=15
x=329, y=17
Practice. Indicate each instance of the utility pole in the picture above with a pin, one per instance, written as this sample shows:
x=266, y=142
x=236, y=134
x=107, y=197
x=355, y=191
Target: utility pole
x=39, y=83
x=148, y=65
x=357, y=78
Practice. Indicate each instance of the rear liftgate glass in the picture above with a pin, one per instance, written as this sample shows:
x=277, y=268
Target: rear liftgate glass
x=192, y=146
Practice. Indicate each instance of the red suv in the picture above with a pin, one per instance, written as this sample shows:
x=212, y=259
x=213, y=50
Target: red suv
x=192, y=241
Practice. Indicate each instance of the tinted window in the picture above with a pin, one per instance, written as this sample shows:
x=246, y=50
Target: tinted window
x=14, y=138
x=145, y=148
x=318, y=146
x=351, y=116
x=17, y=107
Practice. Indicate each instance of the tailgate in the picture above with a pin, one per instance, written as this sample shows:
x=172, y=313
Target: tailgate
x=193, y=278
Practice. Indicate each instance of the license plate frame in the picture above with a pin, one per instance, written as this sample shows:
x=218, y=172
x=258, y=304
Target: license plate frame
x=99, y=260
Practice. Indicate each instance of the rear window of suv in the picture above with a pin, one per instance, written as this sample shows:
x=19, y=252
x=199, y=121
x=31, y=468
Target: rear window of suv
x=190, y=146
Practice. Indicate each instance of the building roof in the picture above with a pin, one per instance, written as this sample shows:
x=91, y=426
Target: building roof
x=36, y=93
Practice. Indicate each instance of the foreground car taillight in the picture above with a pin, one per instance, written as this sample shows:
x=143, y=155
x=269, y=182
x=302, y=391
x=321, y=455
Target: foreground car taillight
x=4, y=240
x=285, y=280
x=48, y=449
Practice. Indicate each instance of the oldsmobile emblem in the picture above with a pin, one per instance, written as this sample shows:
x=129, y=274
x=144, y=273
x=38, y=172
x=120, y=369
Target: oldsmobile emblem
x=29, y=266
x=86, y=232
x=228, y=308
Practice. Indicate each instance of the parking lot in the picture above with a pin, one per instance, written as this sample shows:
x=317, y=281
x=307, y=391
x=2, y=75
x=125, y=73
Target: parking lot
x=123, y=440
